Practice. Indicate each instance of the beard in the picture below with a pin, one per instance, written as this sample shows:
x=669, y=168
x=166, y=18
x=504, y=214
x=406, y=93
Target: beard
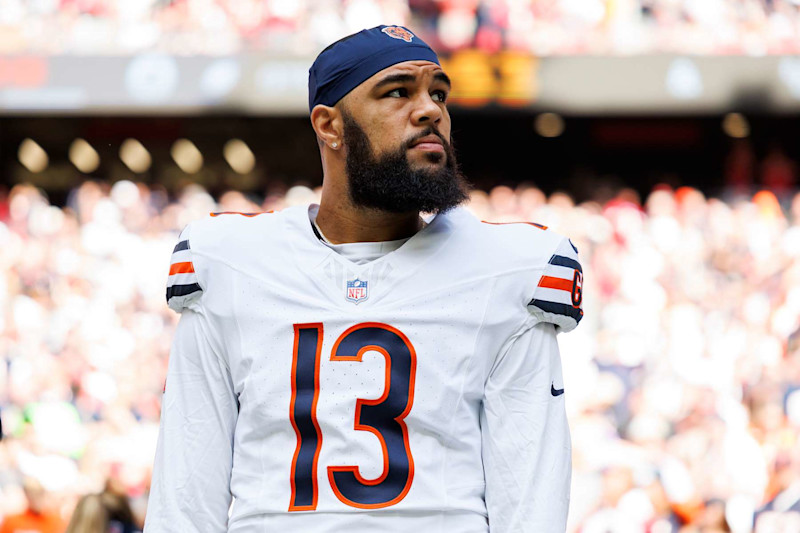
x=388, y=183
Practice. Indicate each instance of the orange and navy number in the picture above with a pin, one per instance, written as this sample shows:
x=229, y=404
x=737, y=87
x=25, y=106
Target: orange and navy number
x=384, y=417
x=303, y=414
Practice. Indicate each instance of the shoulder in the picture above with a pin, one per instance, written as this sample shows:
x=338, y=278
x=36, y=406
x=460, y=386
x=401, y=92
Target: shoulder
x=220, y=232
x=206, y=243
x=507, y=246
x=544, y=271
x=529, y=241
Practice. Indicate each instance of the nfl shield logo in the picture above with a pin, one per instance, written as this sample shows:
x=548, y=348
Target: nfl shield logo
x=357, y=290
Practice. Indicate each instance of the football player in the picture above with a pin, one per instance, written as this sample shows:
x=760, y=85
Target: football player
x=351, y=367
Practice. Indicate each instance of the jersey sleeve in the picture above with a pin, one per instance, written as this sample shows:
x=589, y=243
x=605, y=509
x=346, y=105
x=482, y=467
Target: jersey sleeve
x=526, y=446
x=190, y=489
x=558, y=298
x=183, y=287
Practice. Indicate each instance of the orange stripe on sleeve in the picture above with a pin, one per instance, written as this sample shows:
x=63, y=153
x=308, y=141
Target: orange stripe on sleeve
x=181, y=268
x=549, y=282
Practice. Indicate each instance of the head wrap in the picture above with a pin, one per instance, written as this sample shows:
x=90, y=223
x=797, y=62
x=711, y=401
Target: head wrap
x=350, y=61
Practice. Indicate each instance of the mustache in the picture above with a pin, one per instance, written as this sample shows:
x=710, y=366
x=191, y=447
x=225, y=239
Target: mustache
x=429, y=131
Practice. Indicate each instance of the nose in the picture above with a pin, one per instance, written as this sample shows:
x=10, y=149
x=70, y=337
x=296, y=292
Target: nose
x=427, y=111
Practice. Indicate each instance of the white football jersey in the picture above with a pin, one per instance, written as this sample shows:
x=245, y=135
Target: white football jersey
x=419, y=392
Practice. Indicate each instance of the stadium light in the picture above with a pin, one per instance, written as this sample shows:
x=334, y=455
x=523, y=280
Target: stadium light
x=549, y=125
x=135, y=155
x=735, y=125
x=239, y=156
x=187, y=156
x=84, y=156
x=32, y=156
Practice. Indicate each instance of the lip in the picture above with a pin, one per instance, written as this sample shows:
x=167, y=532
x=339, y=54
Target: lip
x=429, y=143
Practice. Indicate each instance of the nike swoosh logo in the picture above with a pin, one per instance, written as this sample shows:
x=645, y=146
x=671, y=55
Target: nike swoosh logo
x=555, y=392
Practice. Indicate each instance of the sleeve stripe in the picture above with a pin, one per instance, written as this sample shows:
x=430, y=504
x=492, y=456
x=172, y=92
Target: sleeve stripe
x=182, y=290
x=558, y=309
x=181, y=268
x=560, y=260
x=183, y=245
x=549, y=282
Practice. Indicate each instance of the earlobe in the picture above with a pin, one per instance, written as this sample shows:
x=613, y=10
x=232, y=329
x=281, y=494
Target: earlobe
x=326, y=123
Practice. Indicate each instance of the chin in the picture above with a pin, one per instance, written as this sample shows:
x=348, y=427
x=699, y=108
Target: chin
x=429, y=159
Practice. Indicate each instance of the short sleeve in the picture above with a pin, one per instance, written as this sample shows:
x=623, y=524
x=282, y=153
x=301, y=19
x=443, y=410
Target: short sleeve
x=558, y=298
x=183, y=287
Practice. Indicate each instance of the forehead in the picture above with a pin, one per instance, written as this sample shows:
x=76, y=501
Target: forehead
x=418, y=69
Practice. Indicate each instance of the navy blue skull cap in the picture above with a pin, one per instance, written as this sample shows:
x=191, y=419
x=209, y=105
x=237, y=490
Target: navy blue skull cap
x=349, y=62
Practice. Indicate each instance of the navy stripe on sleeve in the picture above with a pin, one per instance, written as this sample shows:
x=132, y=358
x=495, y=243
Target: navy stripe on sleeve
x=182, y=290
x=558, y=309
x=560, y=260
x=183, y=245
x=573, y=246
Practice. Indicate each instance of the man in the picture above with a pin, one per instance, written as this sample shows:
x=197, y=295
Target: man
x=38, y=517
x=350, y=367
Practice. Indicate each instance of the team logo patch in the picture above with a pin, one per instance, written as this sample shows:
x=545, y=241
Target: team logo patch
x=398, y=32
x=357, y=290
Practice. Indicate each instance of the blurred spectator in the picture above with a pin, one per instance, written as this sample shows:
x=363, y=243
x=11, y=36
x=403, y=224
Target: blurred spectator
x=38, y=517
x=106, y=512
x=778, y=172
x=739, y=168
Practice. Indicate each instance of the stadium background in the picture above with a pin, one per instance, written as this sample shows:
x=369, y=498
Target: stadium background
x=660, y=135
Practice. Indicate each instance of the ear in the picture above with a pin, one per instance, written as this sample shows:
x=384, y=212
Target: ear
x=327, y=124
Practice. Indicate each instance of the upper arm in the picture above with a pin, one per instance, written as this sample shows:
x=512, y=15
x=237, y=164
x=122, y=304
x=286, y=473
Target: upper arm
x=526, y=444
x=190, y=489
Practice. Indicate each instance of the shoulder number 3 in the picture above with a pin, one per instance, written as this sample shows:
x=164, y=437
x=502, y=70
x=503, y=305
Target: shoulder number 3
x=382, y=416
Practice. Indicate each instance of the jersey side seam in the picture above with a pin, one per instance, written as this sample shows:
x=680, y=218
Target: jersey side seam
x=204, y=287
x=467, y=374
x=240, y=344
x=528, y=323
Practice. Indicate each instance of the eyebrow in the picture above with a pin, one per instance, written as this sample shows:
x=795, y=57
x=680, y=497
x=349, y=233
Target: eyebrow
x=444, y=78
x=409, y=78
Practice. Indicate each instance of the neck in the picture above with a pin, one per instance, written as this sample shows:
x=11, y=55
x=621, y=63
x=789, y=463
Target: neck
x=342, y=222
x=345, y=223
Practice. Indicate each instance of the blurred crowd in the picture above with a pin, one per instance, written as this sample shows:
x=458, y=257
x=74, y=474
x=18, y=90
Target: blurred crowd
x=683, y=379
x=599, y=27
x=543, y=27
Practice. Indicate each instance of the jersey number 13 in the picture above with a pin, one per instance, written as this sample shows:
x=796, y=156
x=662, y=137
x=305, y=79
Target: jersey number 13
x=382, y=416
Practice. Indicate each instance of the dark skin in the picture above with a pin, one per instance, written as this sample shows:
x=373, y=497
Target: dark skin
x=393, y=106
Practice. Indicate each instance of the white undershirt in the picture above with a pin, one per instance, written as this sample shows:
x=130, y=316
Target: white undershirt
x=358, y=252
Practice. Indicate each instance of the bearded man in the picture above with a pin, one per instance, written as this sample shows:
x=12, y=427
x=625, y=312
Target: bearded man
x=350, y=366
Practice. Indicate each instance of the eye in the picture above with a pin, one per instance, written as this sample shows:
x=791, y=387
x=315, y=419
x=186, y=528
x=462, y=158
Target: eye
x=439, y=96
x=400, y=92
